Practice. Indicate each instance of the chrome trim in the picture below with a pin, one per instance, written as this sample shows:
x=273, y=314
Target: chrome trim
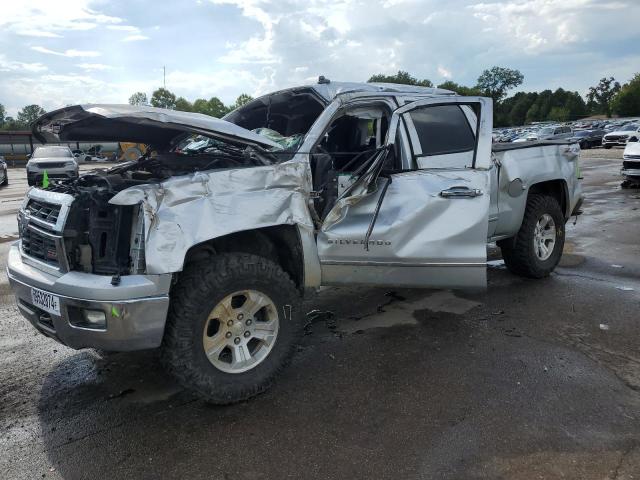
x=366, y=263
x=61, y=255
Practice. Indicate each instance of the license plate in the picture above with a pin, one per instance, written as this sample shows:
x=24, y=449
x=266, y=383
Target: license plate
x=46, y=301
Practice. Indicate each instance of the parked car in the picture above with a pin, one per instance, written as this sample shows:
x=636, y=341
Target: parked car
x=587, y=138
x=205, y=248
x=57, y=161
x=619, y=137
x=81, y=156
x=631, y=164
x=4, y=177
x=557, y=132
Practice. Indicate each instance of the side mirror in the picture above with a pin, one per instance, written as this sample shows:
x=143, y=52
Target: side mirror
x=28, y=156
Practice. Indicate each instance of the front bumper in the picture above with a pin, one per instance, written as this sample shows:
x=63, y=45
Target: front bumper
x=630, y=172
x=614, y=143
x=135, y=310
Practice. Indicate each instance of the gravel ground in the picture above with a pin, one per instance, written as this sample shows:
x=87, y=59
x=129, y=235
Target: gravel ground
x=528, y=380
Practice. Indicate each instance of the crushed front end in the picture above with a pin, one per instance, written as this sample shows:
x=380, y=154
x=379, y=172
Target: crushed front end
x=78, y=270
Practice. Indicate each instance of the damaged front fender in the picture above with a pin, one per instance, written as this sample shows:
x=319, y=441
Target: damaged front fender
x=184, y=211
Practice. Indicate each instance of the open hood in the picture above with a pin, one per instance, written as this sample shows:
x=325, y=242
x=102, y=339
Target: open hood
x=140, y=124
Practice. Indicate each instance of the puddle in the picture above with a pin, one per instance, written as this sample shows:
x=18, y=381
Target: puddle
x=401, y=313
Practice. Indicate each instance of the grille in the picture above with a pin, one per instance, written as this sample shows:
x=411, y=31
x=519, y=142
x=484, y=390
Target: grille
x=44, y=211
x=631, y=165
x=39, y=246
x=44, y=166
x=615, y=138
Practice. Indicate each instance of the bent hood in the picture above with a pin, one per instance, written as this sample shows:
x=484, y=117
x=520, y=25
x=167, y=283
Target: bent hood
x=140, y=124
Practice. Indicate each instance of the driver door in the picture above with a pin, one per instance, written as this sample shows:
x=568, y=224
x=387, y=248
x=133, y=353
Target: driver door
x=422, y=223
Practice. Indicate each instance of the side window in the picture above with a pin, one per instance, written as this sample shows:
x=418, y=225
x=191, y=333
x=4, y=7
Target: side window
x=445, y=138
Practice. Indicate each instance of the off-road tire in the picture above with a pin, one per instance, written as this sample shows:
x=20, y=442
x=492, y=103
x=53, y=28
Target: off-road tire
x=201, y=286
x=519, y=252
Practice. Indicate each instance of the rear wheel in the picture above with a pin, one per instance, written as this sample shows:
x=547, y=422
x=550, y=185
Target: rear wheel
x=536, y=249
x=233, y=325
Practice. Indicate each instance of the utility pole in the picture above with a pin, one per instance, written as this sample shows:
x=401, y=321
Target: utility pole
x=164, y=77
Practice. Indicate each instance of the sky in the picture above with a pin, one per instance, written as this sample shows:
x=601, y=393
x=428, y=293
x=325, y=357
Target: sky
x=56, y=53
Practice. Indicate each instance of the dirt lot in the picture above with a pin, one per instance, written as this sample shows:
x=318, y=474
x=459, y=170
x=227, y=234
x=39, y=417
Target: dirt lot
x=528, y=380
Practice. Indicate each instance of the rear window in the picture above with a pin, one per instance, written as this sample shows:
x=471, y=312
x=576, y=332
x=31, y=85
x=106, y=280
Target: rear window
x=443, y=129
x=48, y=152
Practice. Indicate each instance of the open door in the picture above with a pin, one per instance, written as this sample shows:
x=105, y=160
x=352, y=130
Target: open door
x=419, y=215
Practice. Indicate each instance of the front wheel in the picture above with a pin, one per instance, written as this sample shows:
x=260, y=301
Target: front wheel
x=233, y=324
x=537, y=247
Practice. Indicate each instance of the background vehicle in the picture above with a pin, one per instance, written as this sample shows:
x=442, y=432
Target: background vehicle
x=57, y=161
x=619, y=137
x=4, y=178
x=81, y=156
x=587, y=138
x=558, y=132
x=206, y=247
x=631, y=164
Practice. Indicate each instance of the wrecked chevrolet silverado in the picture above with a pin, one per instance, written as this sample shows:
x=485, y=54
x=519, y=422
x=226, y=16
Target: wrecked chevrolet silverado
x=205, y=245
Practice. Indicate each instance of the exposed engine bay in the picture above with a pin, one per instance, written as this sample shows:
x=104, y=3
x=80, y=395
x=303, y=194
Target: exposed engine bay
x=99, y=236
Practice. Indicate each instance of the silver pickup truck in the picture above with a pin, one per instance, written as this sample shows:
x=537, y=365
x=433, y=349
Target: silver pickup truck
x=205, y=245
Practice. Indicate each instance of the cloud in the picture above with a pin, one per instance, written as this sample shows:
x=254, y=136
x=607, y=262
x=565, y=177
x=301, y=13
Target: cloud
x=67, y=53
x=14, y=66
x=443, y=72
x=46, y=18
x=39, y=33
x=94, y=66
x=135, y=38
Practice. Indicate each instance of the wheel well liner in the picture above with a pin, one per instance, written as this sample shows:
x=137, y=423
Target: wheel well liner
x=280, y=243
x=556, y=189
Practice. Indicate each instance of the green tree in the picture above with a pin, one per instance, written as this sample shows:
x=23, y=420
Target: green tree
x=3, y=113
x=460, y=89
x=213, y=107
x=183, y=105
x=138, y=98
x=29, y=114
x=498, y=80
x=10, y=123
x=627, y=102
x=401, y=77
x=242, y=99
x=558, y=114
x=163, y=98
x=602, y=95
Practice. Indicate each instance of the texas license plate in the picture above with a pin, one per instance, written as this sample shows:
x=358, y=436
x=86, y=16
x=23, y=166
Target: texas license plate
x=46, y=301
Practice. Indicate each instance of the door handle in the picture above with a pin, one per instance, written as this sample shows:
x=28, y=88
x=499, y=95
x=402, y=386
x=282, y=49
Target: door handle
x=460, y=192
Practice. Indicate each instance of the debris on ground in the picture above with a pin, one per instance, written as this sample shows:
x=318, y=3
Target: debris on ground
x=625, y=289
x=315, y=316
x=122, y=393
x=604, y=326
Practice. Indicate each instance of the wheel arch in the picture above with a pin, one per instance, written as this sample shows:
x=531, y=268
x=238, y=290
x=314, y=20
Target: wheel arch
x=290, y=246
x=557, y=189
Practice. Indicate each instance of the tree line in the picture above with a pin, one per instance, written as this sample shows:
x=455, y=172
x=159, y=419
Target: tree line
x=607, y=98
x=163, y=98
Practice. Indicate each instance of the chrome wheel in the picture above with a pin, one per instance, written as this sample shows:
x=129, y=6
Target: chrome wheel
x=240, y=331
x=544, y=237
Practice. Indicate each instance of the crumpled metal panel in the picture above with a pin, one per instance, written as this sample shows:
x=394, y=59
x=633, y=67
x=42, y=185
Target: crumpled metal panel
x=415, y=224
x=185, y=211
x=141, y=123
